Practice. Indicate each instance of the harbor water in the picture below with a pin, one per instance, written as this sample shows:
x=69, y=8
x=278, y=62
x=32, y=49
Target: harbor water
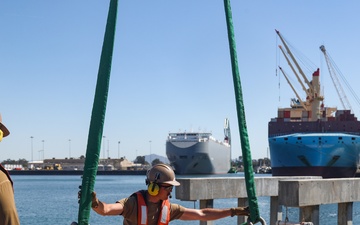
x=53, y=200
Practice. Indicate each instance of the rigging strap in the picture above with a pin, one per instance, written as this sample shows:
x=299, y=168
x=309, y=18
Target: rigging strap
x=97, y=117
x=245, y=146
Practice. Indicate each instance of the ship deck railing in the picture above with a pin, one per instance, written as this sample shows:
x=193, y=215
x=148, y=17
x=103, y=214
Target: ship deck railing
x=305, y=193
x=189, y=139
x=195, y=139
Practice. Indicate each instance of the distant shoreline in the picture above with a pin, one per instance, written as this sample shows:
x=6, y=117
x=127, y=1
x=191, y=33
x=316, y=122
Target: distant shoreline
x=81, y=172
x=75, y=172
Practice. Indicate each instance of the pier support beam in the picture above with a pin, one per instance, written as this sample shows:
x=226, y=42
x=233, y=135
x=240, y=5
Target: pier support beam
x=208, y=203
x=310, y=214
x=345, y=211
x=275, y=210
x=241, y=203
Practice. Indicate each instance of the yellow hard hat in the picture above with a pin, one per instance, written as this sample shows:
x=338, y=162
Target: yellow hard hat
x=5, y=131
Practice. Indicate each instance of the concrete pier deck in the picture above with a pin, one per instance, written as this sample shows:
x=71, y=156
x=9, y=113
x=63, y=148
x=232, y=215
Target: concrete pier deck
x=306, y=193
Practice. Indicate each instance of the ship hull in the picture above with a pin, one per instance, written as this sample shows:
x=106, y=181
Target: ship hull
x=330, y=155
x=322, y=171
x=208, y=157
x=310, y=138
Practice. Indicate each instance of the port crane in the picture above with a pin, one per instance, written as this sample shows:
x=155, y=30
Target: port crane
x=332, y=71
x=227, y=132
x=310, y=90
x=314, y=100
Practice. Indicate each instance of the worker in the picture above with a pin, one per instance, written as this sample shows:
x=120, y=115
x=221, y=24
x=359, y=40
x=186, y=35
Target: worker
x=152, y=206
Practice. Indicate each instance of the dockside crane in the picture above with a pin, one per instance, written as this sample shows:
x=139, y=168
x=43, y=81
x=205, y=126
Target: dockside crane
x=314, y=99
x=227, y=132
x=296, y=63
x=332, y=71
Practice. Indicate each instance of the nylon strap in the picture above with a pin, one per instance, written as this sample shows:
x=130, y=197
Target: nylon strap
x=245, y=146
x=97, y=117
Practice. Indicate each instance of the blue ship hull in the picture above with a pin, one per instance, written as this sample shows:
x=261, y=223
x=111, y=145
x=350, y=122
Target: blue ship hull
x=329, y=155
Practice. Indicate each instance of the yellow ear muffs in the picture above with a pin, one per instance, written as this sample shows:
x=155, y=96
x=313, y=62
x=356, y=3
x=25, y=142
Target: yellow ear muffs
x=1, y=135
x=153, y=189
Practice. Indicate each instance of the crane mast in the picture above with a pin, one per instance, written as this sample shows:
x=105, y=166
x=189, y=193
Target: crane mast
x=227, y=132
x=344, y=101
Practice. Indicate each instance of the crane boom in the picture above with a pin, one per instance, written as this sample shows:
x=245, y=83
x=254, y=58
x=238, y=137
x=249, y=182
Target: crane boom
x=344, y=101
x=296, y=74
x=292, y=87
x=295, y=62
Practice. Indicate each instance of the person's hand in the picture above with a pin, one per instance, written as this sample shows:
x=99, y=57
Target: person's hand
x=79, y=196
x=94, y=200
x=240, y=211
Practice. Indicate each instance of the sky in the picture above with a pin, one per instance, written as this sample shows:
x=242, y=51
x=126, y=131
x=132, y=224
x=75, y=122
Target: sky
x=171, y=70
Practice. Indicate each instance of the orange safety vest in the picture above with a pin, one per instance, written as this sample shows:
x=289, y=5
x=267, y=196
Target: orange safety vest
x=164, y=217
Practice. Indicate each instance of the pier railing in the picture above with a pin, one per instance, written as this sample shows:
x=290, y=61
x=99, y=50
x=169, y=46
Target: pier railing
x=305, y=193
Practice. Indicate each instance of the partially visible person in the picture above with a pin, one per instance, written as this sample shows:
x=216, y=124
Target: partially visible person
x=8, y=212
x=152, y=206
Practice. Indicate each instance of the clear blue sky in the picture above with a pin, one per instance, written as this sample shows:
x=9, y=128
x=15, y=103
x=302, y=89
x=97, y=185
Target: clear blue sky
x=171, y=69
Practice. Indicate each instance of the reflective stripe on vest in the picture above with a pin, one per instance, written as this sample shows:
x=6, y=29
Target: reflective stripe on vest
x=164, y=217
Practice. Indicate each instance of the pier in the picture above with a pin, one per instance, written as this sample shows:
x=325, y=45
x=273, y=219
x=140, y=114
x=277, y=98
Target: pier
x=305, y=193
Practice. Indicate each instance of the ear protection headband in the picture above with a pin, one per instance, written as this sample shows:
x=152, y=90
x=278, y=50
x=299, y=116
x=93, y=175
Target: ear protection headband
x=153, y=187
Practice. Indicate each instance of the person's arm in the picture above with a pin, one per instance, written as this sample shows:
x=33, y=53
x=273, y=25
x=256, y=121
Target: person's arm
x=213, y=214
x=105, y=209
x=8, y=210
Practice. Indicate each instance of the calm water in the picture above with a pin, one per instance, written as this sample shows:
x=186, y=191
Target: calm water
x=53, y=200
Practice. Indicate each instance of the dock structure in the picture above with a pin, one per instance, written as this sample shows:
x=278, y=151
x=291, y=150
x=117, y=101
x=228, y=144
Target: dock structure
x=305, y=193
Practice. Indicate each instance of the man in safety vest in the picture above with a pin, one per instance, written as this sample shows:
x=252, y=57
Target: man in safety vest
x=8, y=212
x=152, y=206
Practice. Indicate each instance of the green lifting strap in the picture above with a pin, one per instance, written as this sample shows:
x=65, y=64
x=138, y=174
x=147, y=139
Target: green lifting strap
x=245, y=146
x=97, y=117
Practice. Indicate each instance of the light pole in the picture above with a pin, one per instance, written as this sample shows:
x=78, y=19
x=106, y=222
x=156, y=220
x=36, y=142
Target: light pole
x=43, y=149
x=150, y=153
x=118, y=149
x=69, y=148
x=108, y=150
x=32, y=149
x=104, y=147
